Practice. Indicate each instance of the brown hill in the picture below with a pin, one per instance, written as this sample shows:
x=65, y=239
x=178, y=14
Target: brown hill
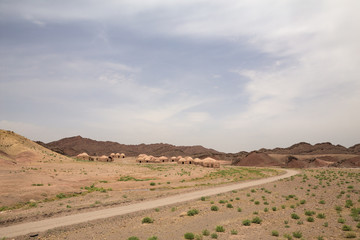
x=16, y=149
x=258, y=159
x=319, y=148
x=74, y=145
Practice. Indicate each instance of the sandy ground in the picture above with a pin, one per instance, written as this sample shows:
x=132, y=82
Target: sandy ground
x=328, y=193
x=47, y=224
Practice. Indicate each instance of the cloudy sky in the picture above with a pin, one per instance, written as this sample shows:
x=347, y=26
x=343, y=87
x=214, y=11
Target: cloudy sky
x=231, y=75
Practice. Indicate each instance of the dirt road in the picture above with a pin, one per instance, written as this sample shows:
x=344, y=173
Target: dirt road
x=43, y=225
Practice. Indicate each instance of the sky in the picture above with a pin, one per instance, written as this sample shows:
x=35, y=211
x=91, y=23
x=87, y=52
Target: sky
x=229, y=75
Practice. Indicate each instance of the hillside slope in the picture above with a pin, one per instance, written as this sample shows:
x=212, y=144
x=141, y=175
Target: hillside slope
x=16, y=149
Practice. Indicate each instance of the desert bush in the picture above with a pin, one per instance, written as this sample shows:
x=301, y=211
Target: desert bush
x=309, y=213
x=246, y=222
x=257, y=202
x=214, y=208
x=153, y=238
x=322, y=201
x=274, y=233
x=341, y=220
x=152, y=184
x=310, y=219
x=147, y=220
x=214, y=236
x=302, y=201
x=220, y=229
x=349, y=203
x=358, y=225
x=266, y=209
x=234, y=232
x=350, y=235
x=229, y=205
x=321, y=215
x=222, y=201
x=297, y=234
x=346, y=228
x=189, y=235
x=256, y=220
x=295, y=216
x=202, y=198
x=133, y=238
x=274, y=209
x=198, y=237
x=320, y=238
x=239, y=210
x=206, y=232
x=288, y=236
x=192, y=212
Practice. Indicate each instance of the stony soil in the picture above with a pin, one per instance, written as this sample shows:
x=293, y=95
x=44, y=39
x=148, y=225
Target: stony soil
x=314, y=190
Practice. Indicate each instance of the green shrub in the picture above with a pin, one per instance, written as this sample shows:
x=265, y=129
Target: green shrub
x=341, y=220
x=152, y=184
x=222, y=201
x=257, y=202
x=234, y=232
x=346, y=228
x=358, y=225
x=322, y=201
x=206, y=232
x=189, y=235
x=297, y=234
x=295, y=216
x=214, y=236
x=229, y=205
x=153, y=238
x=192, y=212
x=256, y=220
x=321, y=215
x=133, y=238
x=348, y=203
x=338, y=208
x=214, y=208
x=288, y=236
x=309, y=213
x=198, y=237
x=274, y=233
x=220, y=229
x=202, y=198
x=266, y=209
x=350, y=235
x=302, y=201
x=310, y=219
x=246, y=222
x=274, y=209
x=147, y=220
x=239, y=210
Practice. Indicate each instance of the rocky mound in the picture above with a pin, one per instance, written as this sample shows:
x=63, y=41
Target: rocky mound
x=258, y=159
x=319, y=148
x=74, y=145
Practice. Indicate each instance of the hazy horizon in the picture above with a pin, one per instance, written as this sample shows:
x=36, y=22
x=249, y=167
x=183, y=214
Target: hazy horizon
x=228, y=75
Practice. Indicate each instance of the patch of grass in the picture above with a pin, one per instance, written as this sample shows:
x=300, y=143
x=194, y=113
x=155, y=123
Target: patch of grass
x=346, y=228
x=233, y=232
x=297, y=234
x=256, y=220
x=350, y=235
x=214, y=208
x=220, y=229
x=147, y=220
x=189, y=235
x=192, y=212
x=274, y=233
x=246, y=222
x=206, y=232
x=214, y=236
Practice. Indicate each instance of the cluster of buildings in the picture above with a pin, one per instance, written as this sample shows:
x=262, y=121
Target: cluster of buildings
x=103, y=158
x=207, y=162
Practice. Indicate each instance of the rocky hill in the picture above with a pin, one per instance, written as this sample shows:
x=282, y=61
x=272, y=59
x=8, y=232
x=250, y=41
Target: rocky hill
x=74, y=145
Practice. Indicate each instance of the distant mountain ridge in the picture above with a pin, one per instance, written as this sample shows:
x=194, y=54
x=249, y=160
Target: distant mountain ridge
x=319, y=148
x=72, y=146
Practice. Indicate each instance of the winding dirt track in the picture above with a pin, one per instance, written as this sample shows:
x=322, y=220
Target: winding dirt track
x=44, y=225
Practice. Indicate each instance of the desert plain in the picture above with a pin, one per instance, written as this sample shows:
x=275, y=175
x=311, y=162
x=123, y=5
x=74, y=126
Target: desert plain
x=38, y=184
